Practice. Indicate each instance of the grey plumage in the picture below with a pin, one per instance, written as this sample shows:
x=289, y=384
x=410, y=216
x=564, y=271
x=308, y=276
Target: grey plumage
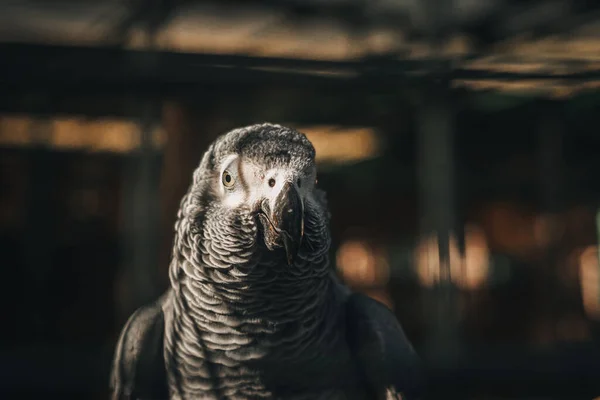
x=255, y=310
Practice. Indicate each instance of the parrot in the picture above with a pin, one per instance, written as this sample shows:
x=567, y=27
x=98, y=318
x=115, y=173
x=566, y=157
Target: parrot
x=254, y=309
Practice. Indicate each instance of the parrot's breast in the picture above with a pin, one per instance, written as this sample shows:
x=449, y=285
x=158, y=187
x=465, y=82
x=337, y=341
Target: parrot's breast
x=238, y=358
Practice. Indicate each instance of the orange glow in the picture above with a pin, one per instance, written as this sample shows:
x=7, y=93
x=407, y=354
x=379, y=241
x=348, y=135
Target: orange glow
x=427, y=259
x=511, y=230
x=475, y=263
x=341, y=145
x=467, y=272
x=360, y=264
x=589, y=277
x=15, y=131
x=101, y=135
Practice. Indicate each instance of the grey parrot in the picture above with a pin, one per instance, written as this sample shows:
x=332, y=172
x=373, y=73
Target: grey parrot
x=255, y=311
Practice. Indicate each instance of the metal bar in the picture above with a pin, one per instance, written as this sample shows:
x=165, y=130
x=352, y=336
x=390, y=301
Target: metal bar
x=437, y=201
x=24, y=54
x=101, y=68
x=40, y=222
x=436, y=164
x=141, y=221
x=550, y=132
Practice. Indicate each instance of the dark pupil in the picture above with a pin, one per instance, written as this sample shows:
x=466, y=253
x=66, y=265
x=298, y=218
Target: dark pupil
x=227, y=178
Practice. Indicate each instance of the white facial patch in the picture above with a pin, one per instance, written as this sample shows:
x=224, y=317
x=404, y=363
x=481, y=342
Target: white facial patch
x=254, y=184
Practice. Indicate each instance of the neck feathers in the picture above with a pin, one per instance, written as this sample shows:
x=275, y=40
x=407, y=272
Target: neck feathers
x=231, y=295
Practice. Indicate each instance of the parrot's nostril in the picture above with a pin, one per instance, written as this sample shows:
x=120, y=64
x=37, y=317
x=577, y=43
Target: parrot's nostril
x=271, y=182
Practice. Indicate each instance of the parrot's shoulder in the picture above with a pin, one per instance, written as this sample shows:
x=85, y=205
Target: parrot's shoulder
x=380, y=346
x=138, y=369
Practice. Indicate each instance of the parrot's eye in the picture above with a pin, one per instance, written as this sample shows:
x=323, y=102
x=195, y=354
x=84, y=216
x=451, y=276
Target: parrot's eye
x=227, y=179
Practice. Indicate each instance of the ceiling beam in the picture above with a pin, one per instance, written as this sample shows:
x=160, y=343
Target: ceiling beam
x=102, y=69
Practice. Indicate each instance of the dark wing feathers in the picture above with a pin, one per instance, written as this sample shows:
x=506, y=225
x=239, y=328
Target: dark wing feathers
x=138, y=370
x=387, y=359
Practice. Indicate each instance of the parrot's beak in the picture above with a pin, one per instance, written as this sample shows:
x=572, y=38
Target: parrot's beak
x=286, y=220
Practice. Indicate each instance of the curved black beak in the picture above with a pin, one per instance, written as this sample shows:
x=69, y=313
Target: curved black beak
x=286, y=217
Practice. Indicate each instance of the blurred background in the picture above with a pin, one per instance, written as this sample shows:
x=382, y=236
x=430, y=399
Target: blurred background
x=457, y=140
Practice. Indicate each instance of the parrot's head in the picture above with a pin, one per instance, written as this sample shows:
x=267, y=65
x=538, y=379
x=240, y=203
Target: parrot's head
x=258, y=184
